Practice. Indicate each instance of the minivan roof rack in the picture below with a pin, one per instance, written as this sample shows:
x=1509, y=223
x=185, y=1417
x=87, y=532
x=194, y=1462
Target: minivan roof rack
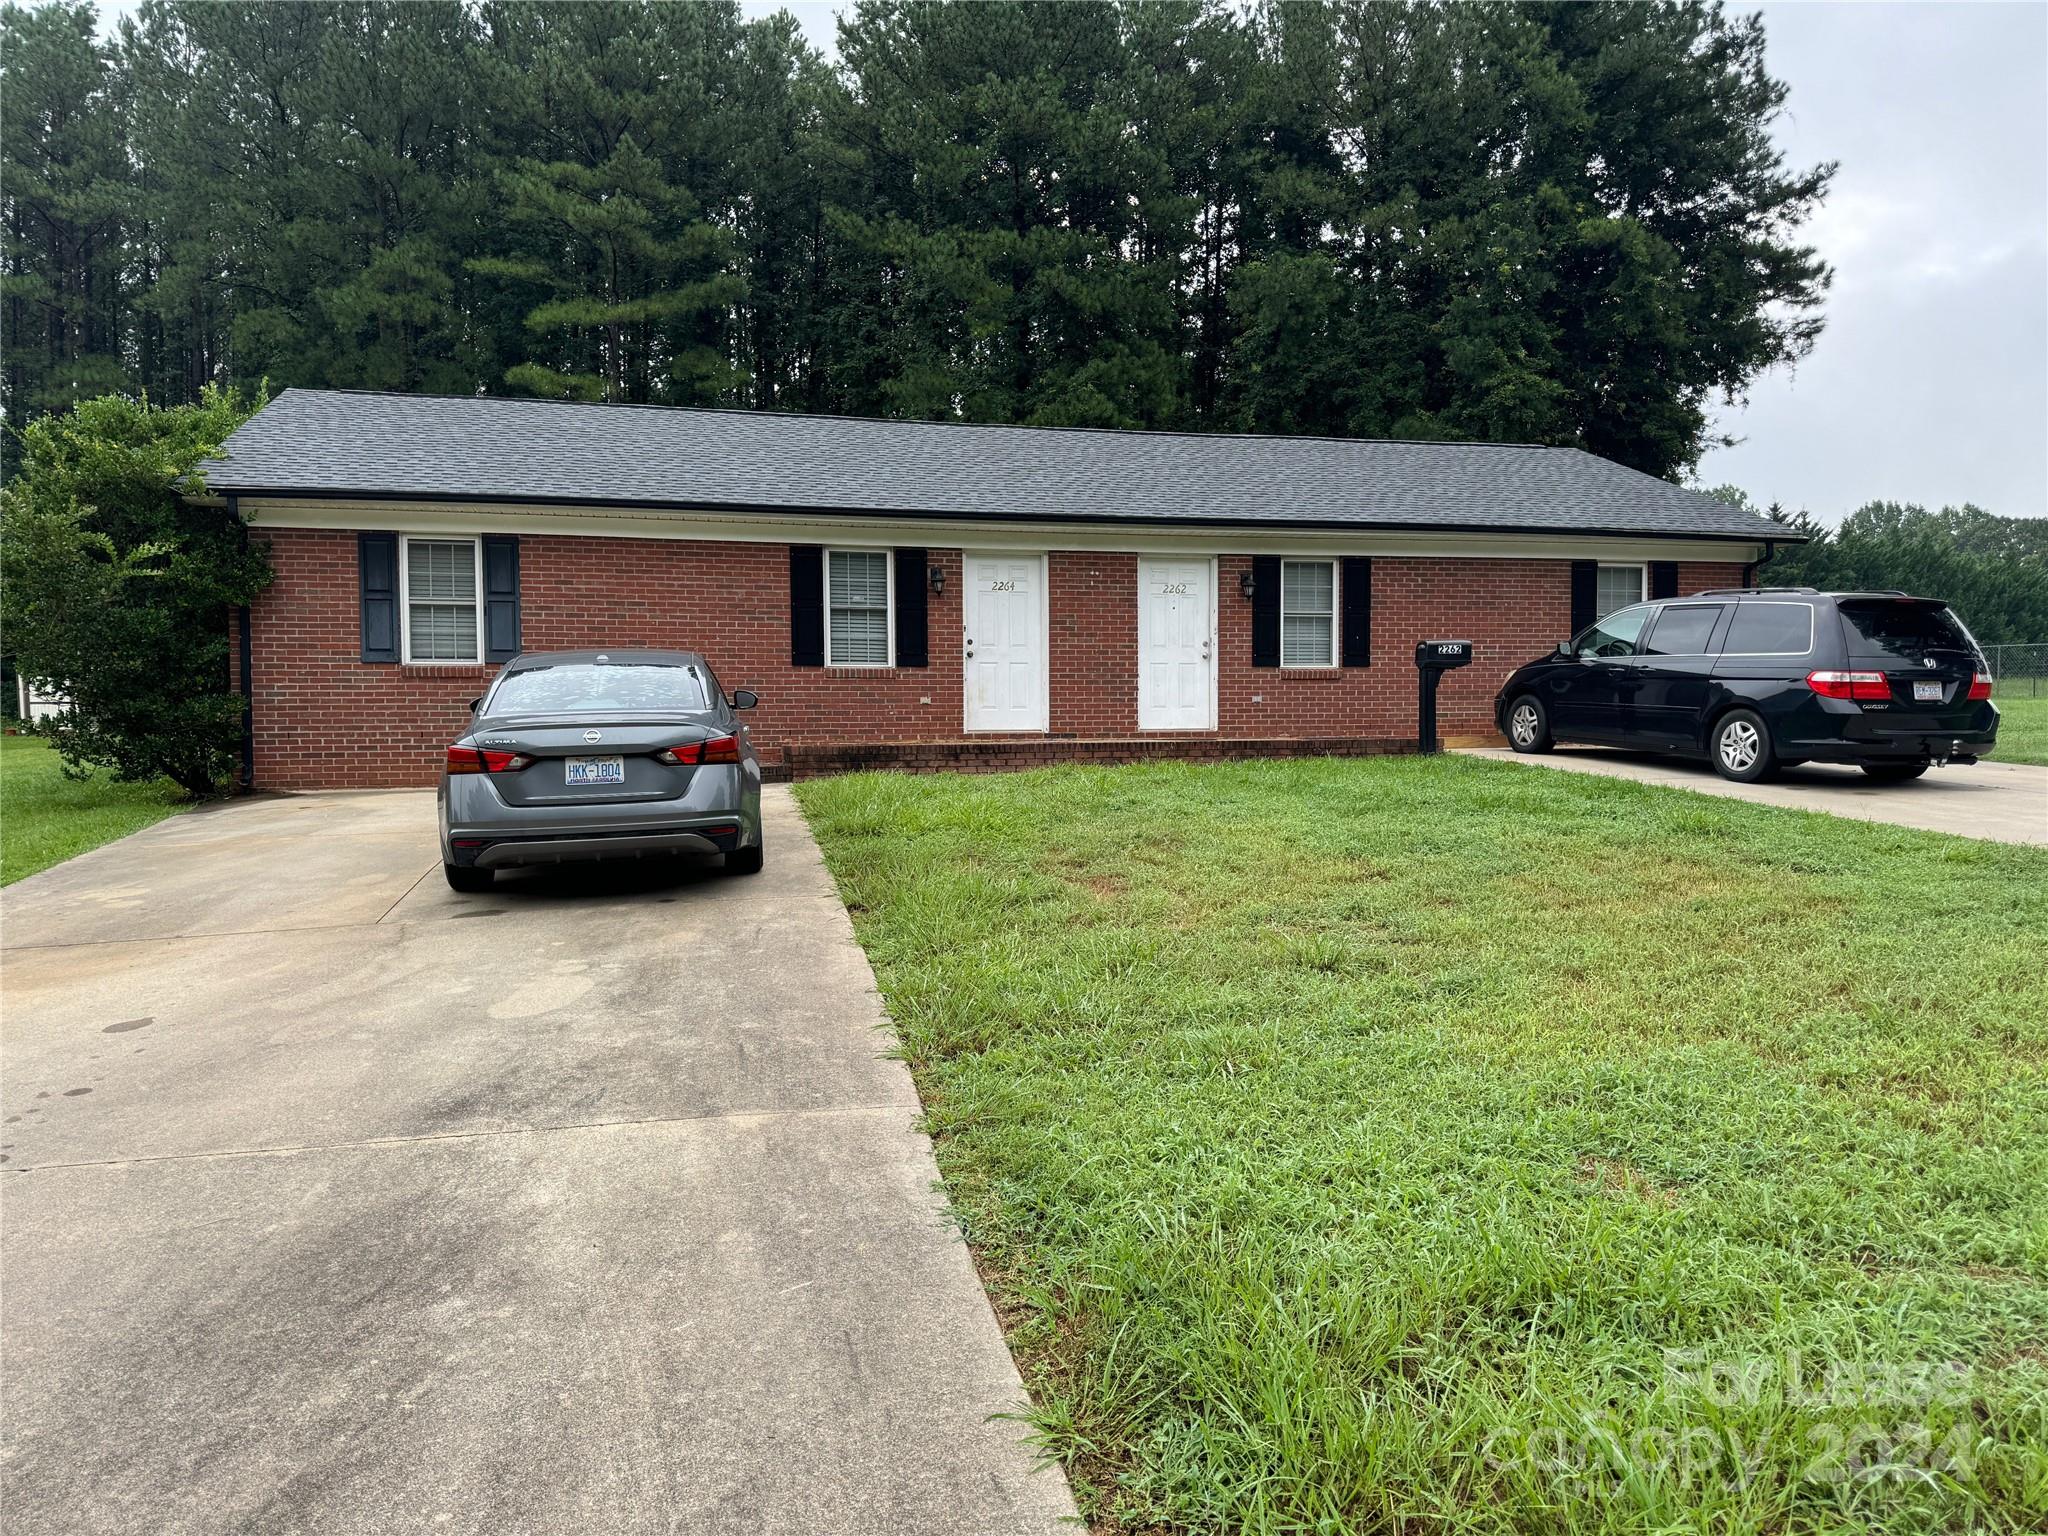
x=1757, y=591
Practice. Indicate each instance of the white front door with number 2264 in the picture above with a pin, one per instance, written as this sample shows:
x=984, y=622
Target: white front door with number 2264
x=1004, y=637
x=1176, y=642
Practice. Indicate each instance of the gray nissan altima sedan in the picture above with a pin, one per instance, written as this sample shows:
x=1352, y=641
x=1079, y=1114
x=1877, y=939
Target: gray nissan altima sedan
x=576, y=755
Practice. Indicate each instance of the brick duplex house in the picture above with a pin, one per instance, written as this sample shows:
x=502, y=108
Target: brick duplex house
x=918, y=593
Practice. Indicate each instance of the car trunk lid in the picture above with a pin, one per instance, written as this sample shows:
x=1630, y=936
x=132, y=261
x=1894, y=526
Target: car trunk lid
x=1926, y=655
x=550, y=745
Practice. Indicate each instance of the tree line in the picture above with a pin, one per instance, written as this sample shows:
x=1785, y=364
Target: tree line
x=1557, y=223
x=1992, y=570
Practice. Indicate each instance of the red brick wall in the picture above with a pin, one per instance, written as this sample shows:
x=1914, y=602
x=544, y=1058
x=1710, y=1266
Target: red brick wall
x=325, y=719
x=1093, y=647
x=1512, y=610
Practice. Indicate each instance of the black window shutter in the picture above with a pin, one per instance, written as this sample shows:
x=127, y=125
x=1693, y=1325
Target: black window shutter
x=501, y=596
x=1663, y=578
x=1356, y=588
x=1585, y=592
x=377, y=572
x=912, y=629
x=806, y=605
x=1265, y=610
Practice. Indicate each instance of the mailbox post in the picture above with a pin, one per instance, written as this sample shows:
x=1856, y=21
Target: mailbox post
x=1433, y=658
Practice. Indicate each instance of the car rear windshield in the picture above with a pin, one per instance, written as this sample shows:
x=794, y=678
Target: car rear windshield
x=1901, y=631
x=586, y=688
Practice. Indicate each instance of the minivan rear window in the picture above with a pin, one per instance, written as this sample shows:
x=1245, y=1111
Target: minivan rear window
x=1893, y=631
x=1770, y=629
x=584, y=688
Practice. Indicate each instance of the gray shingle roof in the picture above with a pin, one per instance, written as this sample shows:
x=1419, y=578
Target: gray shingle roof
x=338, y=442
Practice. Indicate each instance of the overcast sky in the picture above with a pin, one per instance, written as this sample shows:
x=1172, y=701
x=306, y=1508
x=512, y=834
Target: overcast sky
x=1930, y=383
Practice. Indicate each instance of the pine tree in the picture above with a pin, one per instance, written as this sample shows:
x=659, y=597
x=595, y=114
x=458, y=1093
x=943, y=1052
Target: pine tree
x=632, y=288
x=994, y=212
x=63, y=201
x=1558, y=223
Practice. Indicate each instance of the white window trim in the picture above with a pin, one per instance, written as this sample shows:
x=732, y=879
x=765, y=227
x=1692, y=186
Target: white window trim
x=1642, y=583
x=476, y=548
x=1336, y=611
x=888, y=555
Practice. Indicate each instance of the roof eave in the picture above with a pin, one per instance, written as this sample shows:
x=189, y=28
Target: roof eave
x=785, y=509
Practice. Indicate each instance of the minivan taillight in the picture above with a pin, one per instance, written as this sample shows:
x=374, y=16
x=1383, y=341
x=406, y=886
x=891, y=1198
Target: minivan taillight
x=485, y=760
x=1849, y=685
x=688, y=754
x=1980, y=687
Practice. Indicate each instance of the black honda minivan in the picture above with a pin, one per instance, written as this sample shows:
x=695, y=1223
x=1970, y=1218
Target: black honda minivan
x=1759, y=679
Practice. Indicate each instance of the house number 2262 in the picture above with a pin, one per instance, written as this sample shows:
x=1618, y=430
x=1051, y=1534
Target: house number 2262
x=1173, y=589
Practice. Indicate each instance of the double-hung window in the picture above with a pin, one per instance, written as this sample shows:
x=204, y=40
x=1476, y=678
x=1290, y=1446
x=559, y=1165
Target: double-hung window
x=1619, y=586
x=443, y=600
x=857, y=608
x=1308, y=613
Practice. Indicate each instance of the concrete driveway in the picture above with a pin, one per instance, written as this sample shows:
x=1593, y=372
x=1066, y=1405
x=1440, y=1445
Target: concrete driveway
x=337, y=1202
x=2005, y=802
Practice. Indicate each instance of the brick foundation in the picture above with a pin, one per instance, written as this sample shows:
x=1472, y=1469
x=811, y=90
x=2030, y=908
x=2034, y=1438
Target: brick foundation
x=325, y=719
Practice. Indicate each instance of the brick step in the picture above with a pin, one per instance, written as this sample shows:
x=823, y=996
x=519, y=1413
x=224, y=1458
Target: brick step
x=999, y=754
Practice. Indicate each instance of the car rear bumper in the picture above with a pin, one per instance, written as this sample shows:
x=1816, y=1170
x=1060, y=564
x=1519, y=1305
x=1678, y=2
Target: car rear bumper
x=1900, y=746
x=721, y=811
x=1825, y=730
x=488, y=851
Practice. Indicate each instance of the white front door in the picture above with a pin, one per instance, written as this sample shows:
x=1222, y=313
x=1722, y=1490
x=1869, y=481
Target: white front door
x=1176, y=636
x=1005, y=642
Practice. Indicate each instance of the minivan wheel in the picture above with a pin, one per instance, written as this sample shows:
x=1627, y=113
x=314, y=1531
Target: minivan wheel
x=1529, y=725
x=1742, y=747
x=461, y=878
x=1893, y=773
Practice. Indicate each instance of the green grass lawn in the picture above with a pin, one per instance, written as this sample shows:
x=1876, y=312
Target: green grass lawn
x=2022, y=729
x=46, y=818
x=1431, y=1145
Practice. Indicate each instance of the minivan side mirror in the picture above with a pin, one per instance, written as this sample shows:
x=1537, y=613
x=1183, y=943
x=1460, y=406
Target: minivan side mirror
x=745, y=698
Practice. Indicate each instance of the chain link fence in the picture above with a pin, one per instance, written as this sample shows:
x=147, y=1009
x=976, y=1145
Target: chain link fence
x=2019, y=671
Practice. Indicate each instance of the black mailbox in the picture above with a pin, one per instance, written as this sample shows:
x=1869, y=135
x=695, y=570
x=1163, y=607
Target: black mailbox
x=1433, y=658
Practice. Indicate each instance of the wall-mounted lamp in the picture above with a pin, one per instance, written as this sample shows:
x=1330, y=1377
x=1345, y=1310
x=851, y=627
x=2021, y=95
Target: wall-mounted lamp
x=936, y=576
x=1246, y=585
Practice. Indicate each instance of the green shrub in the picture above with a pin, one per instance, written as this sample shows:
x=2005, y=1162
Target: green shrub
x=118, y=591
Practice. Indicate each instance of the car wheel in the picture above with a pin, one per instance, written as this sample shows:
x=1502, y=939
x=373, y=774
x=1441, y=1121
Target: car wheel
x=1529, y=725
x=1893, y=773
x=1742, y=747
x=461, y=878
x=745, y=861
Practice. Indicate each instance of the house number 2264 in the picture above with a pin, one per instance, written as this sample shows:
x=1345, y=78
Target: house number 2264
x=1002, y=586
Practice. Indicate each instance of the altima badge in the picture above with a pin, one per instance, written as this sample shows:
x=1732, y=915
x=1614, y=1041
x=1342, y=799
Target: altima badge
x=593, y=735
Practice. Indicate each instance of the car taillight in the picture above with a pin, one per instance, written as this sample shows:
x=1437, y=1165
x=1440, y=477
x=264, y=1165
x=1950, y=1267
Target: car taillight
x=1849, y=685
x=687, y=754
x=1980, y=687
x=485, y=760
